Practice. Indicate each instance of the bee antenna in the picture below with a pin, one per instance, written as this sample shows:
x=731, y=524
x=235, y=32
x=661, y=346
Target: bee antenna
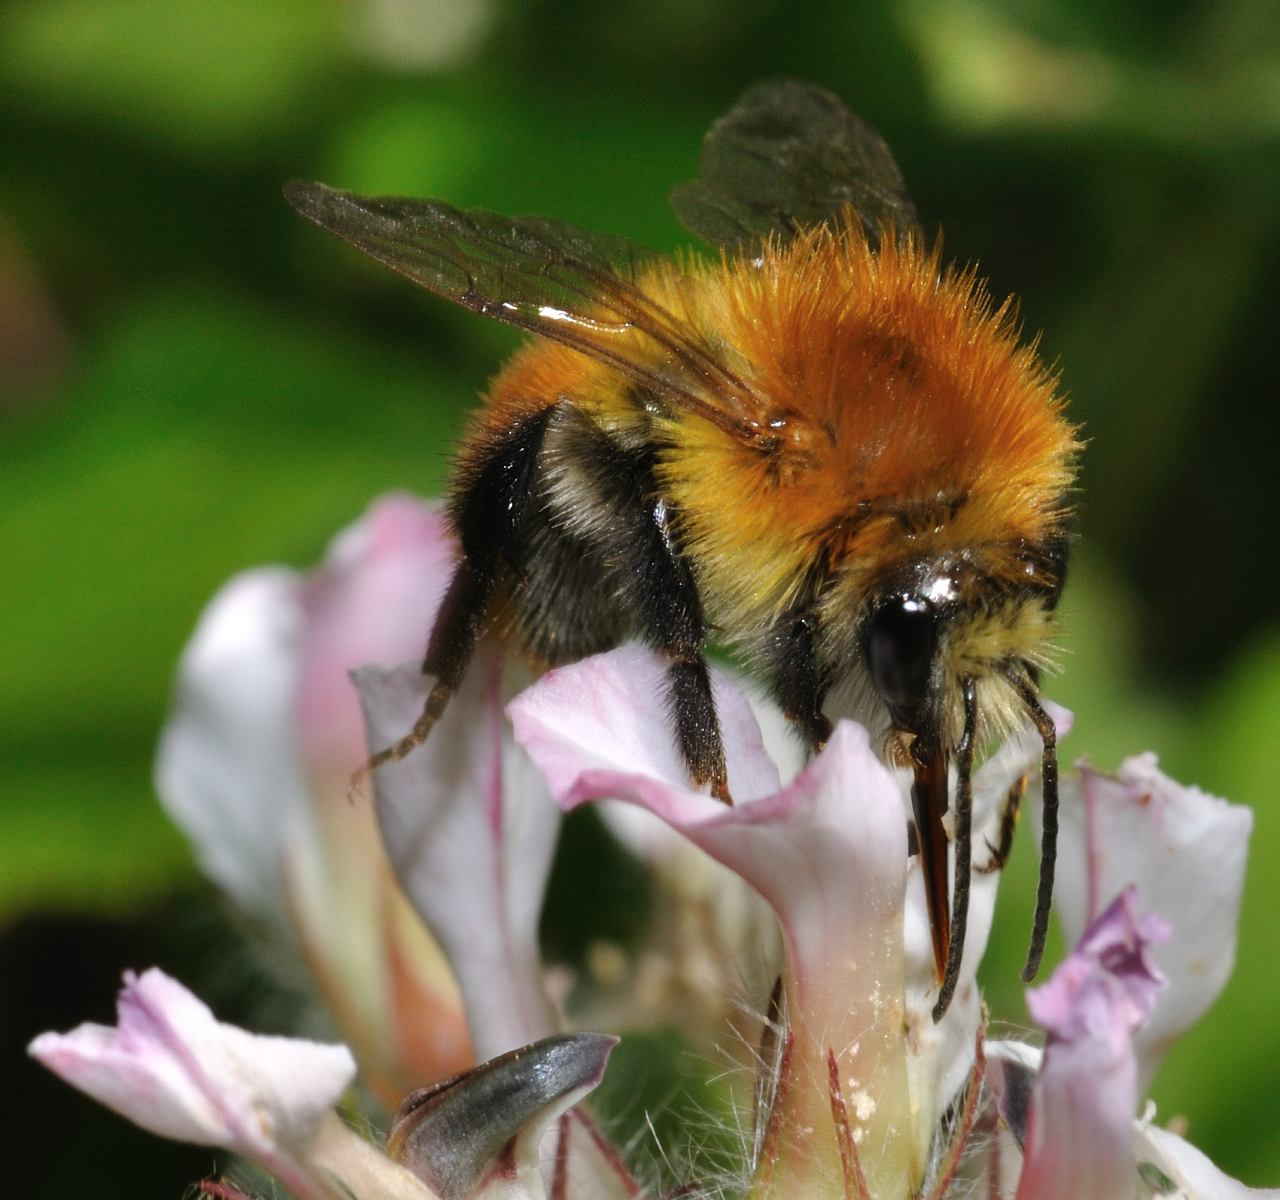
x=1049, y=837
x=963, y=843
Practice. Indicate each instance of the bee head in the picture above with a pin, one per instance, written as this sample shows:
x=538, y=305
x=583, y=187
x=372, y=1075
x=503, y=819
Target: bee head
x=951, y=650
x=934, y=623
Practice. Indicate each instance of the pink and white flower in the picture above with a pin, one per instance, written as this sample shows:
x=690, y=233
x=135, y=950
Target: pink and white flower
x=255, y=764
x=171, y=1067
x=829, y=854
x=863, y=1095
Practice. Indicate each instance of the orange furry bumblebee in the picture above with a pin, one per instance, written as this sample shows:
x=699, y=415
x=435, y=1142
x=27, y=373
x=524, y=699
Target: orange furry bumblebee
x=819, y=444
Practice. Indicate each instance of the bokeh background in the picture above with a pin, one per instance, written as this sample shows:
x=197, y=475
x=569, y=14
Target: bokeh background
x=192, y=381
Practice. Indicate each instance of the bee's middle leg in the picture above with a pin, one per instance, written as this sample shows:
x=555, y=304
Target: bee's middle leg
x=489, y=511
x=671, y=619
x=610, y=493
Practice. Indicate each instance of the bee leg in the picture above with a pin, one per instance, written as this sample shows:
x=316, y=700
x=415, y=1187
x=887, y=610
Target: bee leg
x=488, y=512
x=697, y=728
x=1008, y=826
x=626, y=543
x=797, y=682
x=669, y=613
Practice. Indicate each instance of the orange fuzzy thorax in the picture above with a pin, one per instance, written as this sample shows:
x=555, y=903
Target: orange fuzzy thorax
x=907, y=419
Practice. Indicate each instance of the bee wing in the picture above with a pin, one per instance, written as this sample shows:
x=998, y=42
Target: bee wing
x=786, y=157
x=543, y=276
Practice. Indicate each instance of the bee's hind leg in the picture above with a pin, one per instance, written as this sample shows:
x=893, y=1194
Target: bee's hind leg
x=666, y=611
x=490, y=503
x=633, y=539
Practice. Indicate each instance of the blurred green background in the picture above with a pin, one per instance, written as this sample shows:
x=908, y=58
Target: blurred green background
x=193, y=381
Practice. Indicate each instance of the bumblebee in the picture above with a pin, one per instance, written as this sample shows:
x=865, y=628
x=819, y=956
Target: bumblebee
x=818, y=444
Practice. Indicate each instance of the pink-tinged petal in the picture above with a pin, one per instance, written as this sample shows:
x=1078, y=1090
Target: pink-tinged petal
x=1185, y=852
x=254, y=765
x=373, y=601
x=1191, y=1174
x=1080, y=1136
x=227, y=770
x=829, y=854
x=470, y=830
x=170, y=1066
x=606, y=718
x=713, y=939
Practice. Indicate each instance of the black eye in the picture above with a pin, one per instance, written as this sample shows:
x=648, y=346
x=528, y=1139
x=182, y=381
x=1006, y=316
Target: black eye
x=900, y=645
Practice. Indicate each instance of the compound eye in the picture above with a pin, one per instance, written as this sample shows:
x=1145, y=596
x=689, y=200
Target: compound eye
x=900, y=644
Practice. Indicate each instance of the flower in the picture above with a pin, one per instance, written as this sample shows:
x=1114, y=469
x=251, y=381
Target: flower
x=255, y=763
x=470, y=831
x=859, y=1093
x=1129, y=988
x=1086, y=1089
x=173, y=1069
x=1185, y=851
x=829, y=854
x=170, y=1066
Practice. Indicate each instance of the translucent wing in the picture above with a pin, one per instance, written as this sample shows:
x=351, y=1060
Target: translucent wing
x=544, y=276
x=789, y=156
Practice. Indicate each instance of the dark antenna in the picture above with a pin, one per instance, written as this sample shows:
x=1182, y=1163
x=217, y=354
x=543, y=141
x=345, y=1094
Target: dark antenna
x=963, y=839
x=1049, y=838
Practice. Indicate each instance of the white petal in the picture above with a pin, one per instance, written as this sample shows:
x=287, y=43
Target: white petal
x=173, y=1068
x=828, y=852
x=470, y=830
x=1185, y=852
x=1190, y=1170
x=228, y=769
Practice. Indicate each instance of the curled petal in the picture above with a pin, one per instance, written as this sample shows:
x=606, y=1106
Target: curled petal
x=1185, y=852
x=170, y=1066
x=602, y=722
x=470, y=831
x=254, y=765
x=477, y=1135
x=828, y=852
x=1176, y=1170
x=1080, y=1135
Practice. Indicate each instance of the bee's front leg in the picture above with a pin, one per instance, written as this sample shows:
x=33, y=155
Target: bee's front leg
x=798, y=684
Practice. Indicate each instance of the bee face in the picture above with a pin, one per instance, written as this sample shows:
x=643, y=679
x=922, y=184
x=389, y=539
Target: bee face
x=939, y=622
x=821, y=444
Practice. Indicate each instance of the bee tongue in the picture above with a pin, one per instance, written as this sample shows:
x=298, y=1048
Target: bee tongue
x=929, y=802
